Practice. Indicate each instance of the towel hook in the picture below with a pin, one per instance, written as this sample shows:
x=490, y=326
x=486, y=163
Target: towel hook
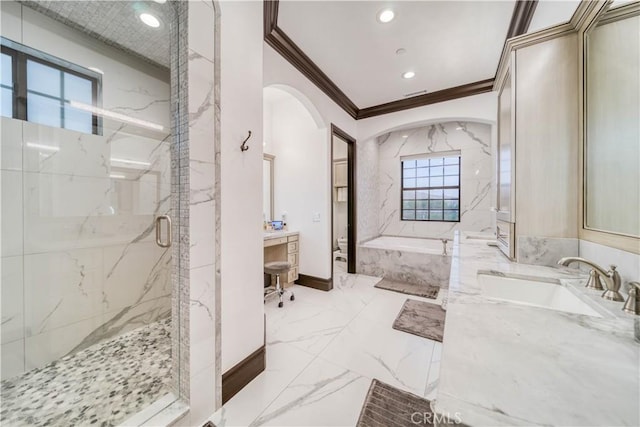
x=244, y=147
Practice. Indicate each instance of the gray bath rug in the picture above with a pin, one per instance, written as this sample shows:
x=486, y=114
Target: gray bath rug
x=421, y=318
x=386, y=406
x=425, y=291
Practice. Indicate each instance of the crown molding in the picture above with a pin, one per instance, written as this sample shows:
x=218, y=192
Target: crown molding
x=275, y=37
x=521, y=17
x=281, y=43
x=586, y=14
x=448, y=94
x=619, y=13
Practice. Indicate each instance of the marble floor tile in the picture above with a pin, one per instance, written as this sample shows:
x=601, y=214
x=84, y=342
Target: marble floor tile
x=373, y=349
x=309, y=327
x=434, y=373
x=284, y=363
x=324, y=394
x=387, y=304
x=323, y=350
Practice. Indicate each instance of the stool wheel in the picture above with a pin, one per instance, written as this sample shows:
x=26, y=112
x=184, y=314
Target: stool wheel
x=280, y=304
x=293, y=297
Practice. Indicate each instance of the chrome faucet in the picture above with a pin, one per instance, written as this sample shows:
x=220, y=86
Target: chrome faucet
x=610, y=278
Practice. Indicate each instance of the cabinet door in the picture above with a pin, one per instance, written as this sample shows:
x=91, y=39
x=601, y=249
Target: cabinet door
x=340, y=174
x=506, y=157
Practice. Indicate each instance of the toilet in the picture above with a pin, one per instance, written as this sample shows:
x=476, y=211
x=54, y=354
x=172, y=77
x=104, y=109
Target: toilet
x=342, y=244
x=341, y=253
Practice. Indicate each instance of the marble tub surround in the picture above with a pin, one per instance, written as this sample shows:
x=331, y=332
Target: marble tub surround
x=473, y=140
x=101, y=385
x=532, y=365
x=404, y=266
x=544, y=250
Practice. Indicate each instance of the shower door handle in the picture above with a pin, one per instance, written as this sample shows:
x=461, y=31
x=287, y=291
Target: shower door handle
x=159, y=241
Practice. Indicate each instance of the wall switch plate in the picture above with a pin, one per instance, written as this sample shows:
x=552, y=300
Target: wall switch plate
x=316, y=217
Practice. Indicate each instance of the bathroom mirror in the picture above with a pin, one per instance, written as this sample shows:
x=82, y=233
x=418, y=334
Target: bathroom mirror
x=267, y=186
x=611, y=127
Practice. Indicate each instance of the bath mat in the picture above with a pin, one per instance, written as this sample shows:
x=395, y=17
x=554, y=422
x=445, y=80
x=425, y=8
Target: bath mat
x=426, y=291
x=421, y=318
x=386, y=406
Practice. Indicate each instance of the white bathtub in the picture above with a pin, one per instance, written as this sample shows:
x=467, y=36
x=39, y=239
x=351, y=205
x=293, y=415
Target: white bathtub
x=409, y=244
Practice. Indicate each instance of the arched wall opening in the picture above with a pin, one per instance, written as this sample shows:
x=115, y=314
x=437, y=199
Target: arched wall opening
x=298, y=138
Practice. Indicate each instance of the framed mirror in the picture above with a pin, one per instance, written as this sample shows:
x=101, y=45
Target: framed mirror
x=611, y=152
x=267, y=187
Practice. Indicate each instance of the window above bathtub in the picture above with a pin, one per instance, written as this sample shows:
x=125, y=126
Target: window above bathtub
x=41, y=88
x=431, y=187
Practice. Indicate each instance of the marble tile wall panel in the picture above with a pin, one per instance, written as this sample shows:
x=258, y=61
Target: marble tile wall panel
x=545, y=250
x=367, y=188
x=13, y=360
x=12, y=299
x=204, y=204
x=473, y=140
x=11, y=134
x=12, y=213
x=61, y=288
x=404, y=266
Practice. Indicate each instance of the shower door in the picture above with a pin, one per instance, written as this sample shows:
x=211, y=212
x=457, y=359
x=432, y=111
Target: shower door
x=88, y=163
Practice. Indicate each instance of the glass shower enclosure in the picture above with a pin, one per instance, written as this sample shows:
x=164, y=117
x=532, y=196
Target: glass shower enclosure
x=88, y=167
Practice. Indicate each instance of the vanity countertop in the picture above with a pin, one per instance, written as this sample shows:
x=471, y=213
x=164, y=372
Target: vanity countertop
x=509, y=364
x=268, y=235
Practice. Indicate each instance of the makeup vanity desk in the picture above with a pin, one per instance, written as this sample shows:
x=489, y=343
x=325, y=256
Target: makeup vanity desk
x=283, y=246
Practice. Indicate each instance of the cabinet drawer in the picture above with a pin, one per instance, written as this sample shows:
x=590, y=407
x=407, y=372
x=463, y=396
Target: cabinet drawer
x=274, y=242
x=293, y=259
x=293, y=238
x=293, y=275
x=292, y=247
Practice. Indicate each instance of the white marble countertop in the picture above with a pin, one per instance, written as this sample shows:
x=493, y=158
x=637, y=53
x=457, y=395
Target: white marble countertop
x=268, y=235
x=510, y=364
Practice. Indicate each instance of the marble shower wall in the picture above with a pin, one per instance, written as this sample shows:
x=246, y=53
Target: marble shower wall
x=473, y=140
x=200, y=370
x=79, y=258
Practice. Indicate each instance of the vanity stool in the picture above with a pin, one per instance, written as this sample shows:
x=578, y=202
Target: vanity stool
x=277, y=268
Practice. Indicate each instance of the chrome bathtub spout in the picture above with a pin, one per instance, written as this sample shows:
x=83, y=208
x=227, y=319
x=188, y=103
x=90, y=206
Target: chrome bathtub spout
x=611, y=278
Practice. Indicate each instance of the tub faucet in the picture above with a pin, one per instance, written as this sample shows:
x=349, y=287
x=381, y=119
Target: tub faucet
x=444, y=246
x=610, y=278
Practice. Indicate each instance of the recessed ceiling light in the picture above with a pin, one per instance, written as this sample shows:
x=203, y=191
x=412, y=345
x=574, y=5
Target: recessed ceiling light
x=386, y=15
x=408, y=75
x=150, y=20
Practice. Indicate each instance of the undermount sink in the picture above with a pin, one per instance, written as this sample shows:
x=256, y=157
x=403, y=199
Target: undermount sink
x=545, y=293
